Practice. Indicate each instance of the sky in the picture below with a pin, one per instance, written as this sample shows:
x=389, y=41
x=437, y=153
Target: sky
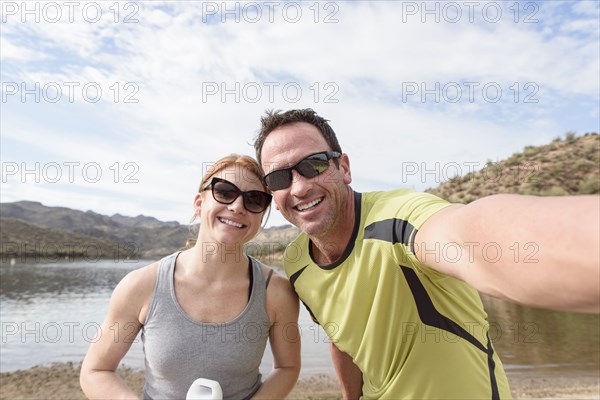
x=121, y=106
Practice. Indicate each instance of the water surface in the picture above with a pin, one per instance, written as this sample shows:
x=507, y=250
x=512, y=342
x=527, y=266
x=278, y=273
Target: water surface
x=51, y=312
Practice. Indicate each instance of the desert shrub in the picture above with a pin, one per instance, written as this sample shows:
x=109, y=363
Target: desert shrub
x=589, y=185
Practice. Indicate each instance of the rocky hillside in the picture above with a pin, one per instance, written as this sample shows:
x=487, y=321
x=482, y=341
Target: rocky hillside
x=566, y=166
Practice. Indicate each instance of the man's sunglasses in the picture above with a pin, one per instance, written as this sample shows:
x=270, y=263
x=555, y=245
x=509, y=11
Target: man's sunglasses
x=309, y=167
x=226, y=192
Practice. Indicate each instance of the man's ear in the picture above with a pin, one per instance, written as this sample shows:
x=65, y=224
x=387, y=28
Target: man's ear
x=345, y=168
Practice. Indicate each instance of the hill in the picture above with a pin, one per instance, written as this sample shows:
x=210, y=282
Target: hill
x=34, y=230
x=22, y=240
x=566, y=166
x=144, y=236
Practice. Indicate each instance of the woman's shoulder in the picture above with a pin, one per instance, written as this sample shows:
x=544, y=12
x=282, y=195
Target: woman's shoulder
x=132, y=294
x=145, y=277
x=139, y=281
x=281, y=297
x=277, y=281
x=274, y=280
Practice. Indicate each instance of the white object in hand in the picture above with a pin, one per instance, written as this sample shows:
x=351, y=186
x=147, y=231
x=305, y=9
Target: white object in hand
x=202, y=389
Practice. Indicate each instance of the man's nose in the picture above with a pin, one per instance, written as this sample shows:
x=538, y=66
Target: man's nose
x=300, y=184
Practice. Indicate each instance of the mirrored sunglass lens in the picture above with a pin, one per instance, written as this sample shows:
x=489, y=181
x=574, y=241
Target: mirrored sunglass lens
x=311, y=168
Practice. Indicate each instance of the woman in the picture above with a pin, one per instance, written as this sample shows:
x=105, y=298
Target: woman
x=205, y=312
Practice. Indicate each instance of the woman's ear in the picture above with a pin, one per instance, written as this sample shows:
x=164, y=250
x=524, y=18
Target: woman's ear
x=197, y=203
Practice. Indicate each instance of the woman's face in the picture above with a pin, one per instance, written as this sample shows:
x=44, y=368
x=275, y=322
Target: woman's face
x=229, y=223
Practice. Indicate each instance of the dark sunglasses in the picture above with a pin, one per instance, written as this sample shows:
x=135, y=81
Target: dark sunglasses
x=226, y=192
x=309, y=167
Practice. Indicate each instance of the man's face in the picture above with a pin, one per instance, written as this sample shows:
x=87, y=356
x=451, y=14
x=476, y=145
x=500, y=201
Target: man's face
x=316, y=204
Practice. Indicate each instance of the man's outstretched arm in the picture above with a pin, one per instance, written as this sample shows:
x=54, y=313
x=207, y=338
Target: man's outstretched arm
x=537, y=251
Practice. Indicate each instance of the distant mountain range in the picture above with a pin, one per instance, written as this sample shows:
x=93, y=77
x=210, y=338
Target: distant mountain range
x=45, y=229
x=30, y=229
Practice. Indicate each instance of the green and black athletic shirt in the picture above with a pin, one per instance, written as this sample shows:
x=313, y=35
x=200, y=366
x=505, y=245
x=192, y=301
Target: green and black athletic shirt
x=414, y=333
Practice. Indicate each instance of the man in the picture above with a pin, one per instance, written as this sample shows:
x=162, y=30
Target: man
x=403, y=320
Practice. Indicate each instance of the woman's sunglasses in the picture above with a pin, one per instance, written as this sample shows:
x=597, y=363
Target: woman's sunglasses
x=309, y=167
x=226, y=192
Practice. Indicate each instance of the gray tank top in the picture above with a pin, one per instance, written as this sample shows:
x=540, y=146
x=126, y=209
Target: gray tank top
x=179, y=350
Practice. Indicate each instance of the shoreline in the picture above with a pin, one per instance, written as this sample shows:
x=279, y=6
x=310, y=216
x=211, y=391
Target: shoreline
x=61, y=381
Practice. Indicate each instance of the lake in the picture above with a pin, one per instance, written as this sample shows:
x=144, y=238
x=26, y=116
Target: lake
x=50, y=312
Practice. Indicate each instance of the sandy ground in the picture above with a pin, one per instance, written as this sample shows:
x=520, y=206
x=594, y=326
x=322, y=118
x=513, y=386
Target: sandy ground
x=61, y=381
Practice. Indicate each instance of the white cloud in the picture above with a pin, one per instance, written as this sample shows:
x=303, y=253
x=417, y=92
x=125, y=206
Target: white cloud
x=12, y=52
x=176, y=51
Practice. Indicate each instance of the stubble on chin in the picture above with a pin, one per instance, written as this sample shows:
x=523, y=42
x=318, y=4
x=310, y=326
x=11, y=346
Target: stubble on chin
x=320, y=229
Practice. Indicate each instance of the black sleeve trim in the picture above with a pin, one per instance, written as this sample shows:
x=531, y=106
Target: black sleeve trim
x=392, y=230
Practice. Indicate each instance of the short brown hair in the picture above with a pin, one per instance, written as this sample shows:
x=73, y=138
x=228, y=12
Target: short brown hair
x=274, y=119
